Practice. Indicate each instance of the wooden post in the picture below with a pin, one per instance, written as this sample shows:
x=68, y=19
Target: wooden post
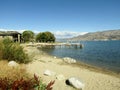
x=19, y=38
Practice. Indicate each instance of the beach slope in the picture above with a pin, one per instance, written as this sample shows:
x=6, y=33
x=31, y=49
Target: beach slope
x=93, y=80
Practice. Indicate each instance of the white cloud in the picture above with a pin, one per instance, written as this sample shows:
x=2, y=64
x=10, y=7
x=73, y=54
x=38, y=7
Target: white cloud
x=12, y=30
x=20, y=31
x=67, y=34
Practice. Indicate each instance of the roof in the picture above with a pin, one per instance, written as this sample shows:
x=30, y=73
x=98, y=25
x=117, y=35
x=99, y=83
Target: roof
x=8, y=33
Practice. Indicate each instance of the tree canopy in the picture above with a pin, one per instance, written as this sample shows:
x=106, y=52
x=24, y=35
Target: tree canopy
x=28, y=35
x=45, y=37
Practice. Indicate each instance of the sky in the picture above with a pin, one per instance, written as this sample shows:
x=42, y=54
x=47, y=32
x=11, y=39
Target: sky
x=64, y=18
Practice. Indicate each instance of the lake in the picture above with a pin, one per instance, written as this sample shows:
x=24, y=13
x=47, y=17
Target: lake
x=103, y=54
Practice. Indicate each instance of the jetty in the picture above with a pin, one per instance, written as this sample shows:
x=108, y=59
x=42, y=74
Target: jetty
x=58, y=45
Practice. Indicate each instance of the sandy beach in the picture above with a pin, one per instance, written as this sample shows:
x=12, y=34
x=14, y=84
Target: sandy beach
x=93, y=79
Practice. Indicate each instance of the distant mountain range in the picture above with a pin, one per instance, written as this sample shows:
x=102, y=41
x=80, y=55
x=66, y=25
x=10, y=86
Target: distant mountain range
x=101, y=35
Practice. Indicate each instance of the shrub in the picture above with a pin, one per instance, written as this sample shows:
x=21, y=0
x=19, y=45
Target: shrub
x=19, y=79
x=12, y=51
x=1, y=50
x=11, y=74
x=31, y=84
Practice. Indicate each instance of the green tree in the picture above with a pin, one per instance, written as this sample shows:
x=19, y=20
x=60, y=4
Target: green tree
x=50, y=37
x=28, y=35
x=45, y=37
x=38, y=37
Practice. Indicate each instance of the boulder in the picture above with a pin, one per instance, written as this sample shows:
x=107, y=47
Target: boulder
x=13, y=64
x=49, y=73
x=76, y=83
x=55, y=57
x=69, y=60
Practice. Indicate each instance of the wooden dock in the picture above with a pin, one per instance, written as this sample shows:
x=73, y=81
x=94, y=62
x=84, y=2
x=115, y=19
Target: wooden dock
x=56, y=45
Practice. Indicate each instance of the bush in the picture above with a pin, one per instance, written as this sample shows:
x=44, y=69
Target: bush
x=12, y=51
x=19, y=79
x=12, y=74
x=1, y=50
x=21, y=84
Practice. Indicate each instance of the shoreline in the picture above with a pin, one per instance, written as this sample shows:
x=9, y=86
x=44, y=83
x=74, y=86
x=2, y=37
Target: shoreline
x=103, y=68
x=96, y=69
x=78, y=63
x=94, y=78
x=87, y=66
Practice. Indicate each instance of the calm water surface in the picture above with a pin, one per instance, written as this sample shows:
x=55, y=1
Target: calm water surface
x=104, y=54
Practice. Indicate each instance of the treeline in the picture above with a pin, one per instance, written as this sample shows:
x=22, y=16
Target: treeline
x=47, y=36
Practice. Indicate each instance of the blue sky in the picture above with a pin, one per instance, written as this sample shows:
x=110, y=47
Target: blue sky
x=65, y=18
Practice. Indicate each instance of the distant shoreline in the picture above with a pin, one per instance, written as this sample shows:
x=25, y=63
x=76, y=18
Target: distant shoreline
x=100, y=35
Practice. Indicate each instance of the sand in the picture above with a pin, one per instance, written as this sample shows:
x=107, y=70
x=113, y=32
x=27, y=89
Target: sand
x=93, y=80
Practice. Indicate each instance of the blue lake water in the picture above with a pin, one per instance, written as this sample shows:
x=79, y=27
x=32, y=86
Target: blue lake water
x=104, y=54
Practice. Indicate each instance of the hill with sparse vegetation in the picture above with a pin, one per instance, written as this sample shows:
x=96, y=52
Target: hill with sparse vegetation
x=101, y=35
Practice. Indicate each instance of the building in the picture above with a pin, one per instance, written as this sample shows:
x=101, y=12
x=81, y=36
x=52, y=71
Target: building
x=14, y=35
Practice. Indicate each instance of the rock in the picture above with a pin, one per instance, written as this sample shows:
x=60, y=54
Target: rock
x=49, y=73
x=12, y=64
x=69, y=60
x=60, y=77
x=75, y=82
x=55, y=57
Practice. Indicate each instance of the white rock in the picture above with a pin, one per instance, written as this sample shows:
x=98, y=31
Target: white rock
x=60, y=77
x=76, y=83
x=55, y=57
x=49, y=73
x=69, y=60
x=12, y=64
